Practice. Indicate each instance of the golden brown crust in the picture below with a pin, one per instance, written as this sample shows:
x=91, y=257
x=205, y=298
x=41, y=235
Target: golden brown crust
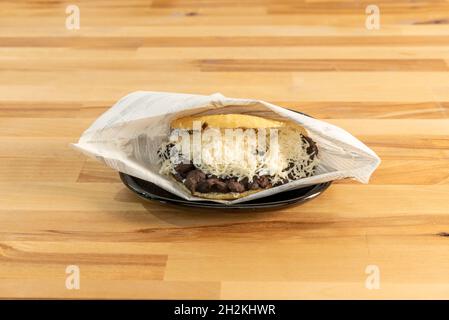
x=233, y=121
x=219, y=196
x=225, y=196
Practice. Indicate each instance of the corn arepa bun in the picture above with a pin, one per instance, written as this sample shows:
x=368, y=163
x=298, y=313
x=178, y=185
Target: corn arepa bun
x=234, y=121
x=219, y=196
x=225, y=196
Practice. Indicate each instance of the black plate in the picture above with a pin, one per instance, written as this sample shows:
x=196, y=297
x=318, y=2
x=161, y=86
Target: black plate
x=150, y=191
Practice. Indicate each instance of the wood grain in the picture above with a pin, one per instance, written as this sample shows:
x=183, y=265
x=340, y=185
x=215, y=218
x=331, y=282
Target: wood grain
x=389, y=87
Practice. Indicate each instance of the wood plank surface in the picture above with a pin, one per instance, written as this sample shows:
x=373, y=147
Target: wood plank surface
x=389, y=87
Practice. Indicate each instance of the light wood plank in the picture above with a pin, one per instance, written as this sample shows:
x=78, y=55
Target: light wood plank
x=388, y=87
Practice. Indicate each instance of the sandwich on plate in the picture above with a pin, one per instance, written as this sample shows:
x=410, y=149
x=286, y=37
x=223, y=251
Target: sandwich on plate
x=229, y=156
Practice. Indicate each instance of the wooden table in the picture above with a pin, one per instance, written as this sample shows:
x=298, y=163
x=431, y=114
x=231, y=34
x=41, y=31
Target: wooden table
x=389, y=87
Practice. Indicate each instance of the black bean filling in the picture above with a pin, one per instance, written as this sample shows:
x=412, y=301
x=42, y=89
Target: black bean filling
x=197, y=181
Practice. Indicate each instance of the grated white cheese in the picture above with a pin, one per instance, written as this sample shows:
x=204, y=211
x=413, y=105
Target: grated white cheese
x=283, y=156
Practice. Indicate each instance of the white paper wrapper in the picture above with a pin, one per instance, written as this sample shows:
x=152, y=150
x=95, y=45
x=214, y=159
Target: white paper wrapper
x=127, y=136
